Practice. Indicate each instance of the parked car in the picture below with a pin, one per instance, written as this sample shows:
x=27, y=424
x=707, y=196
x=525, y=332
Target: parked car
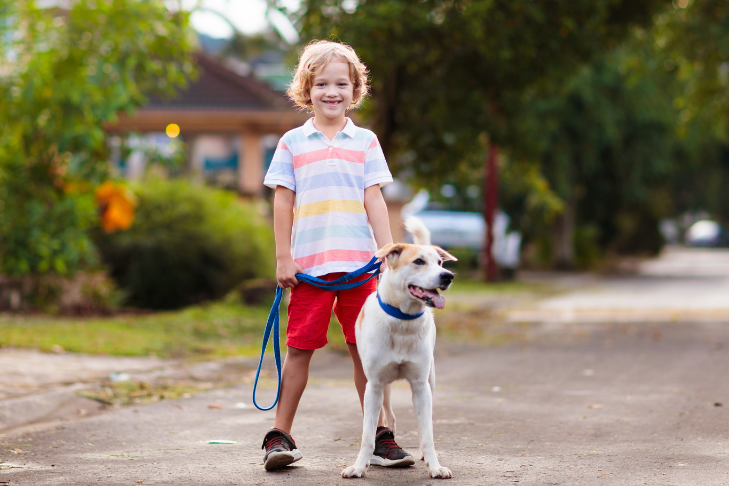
x=461, y=229
x=706, y=233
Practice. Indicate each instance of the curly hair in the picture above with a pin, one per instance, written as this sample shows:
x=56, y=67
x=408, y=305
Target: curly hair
x=314, y=59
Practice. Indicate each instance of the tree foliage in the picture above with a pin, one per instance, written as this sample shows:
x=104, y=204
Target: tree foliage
x=692, y=39
x=445, y=72
x=606, y=141
x=63, y=74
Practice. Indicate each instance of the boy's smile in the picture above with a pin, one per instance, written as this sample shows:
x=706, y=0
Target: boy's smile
x=332, y=92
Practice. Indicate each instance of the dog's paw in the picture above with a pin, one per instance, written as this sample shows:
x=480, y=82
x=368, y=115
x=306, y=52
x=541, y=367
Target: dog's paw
x=440, y=472
x=353, y=472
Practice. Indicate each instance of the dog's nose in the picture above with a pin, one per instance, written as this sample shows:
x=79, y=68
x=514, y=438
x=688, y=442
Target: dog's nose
x=446, y=278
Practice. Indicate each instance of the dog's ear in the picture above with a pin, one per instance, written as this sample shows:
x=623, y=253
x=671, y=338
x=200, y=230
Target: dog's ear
x=391, y=252
x=444, y=254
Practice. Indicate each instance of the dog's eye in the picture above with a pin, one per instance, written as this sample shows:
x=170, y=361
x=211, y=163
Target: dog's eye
x=419, y=261
x=440, y=262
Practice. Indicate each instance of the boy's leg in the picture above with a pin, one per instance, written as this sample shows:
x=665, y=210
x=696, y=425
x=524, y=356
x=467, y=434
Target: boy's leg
x=294, y=376
x=309, y=312
x=280, y=446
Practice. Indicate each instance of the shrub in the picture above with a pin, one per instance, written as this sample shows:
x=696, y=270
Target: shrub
x=188, y=243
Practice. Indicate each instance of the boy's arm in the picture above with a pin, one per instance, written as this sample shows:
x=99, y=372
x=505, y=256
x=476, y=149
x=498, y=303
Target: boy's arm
x=377, y=213
x=283, y=222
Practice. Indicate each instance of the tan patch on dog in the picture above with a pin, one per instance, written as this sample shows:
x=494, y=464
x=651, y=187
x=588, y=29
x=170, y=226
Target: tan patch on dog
x=391, y=253
x=408, y=255
x=360, y=318
x=444, y=254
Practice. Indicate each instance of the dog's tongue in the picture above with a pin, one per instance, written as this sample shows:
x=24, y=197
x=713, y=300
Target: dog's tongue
x=438, y=300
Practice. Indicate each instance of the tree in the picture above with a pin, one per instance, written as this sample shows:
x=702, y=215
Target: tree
x=445, y=72
x=692, y=38
x=606, y=142
x=63, y=74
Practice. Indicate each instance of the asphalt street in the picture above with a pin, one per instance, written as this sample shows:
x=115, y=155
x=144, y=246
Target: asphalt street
x=606, y=401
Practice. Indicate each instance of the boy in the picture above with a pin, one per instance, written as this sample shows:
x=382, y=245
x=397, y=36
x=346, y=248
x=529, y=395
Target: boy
x=329, y=219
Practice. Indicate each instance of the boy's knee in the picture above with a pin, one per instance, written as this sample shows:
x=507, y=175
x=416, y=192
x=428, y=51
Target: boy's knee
x=296, y=353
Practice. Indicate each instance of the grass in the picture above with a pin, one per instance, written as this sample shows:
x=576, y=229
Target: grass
x=213, y=330
x=217, y=329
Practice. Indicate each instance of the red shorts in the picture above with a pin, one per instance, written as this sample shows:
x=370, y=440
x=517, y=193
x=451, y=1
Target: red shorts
x=310, y=310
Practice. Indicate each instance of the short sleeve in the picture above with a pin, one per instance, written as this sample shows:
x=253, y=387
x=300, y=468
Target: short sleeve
x=376, y=170
x=281, y=171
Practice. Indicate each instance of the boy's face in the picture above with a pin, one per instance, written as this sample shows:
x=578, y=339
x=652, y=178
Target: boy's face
x=332, y=91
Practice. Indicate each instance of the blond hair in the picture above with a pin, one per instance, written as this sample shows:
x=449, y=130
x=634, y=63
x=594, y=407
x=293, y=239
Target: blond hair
x=314, y=58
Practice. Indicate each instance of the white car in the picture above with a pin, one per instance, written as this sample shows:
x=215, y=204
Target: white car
x=460, y=229
x=706, y=233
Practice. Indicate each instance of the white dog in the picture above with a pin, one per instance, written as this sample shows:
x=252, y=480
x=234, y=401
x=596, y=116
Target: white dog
x=393, y=348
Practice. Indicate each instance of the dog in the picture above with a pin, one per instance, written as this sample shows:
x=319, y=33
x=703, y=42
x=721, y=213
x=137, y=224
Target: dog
x=393, y=348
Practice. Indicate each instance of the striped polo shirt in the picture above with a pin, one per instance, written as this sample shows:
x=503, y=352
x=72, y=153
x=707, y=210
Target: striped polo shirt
x=331, y=230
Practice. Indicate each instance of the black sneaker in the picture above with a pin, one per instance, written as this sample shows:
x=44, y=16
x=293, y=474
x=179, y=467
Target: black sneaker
x=387, y=452
x=280, y=450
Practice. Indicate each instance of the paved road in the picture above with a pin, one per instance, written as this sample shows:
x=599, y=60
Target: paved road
x=684, y=284
x=603, y=402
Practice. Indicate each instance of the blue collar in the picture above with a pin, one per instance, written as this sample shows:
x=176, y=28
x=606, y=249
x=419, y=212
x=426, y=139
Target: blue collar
x=395, y=312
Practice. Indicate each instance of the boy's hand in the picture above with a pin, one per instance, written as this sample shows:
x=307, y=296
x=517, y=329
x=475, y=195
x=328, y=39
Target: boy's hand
x=286, y=270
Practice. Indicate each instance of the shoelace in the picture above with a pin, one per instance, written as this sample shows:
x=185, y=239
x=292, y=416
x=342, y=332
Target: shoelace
x=274, y=442
x=389, y=444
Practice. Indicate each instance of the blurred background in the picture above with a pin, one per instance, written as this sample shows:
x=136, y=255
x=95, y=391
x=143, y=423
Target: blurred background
x=529, y=135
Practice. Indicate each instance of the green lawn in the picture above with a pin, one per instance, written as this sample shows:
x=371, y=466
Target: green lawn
x=213, y=330
x=218, y=329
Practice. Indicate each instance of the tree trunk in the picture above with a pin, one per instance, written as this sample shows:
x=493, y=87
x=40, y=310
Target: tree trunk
x=564, y=228
x=491, y=200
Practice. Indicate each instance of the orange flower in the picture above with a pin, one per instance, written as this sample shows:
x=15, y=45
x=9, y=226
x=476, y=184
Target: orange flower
x=116, y=206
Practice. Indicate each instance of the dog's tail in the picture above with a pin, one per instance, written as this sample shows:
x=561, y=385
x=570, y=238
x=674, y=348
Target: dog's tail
x=421, y=234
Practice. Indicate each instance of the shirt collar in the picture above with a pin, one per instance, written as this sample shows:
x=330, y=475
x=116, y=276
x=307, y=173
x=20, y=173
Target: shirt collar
x=348, y=130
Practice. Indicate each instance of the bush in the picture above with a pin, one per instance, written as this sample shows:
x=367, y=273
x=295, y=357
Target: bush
x=188, y=244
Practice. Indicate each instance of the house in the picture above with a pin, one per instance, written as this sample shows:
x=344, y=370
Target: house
x=231, y=124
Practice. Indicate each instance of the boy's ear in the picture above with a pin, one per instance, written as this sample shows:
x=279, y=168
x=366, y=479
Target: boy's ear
x=391, y=252
x=444, y=254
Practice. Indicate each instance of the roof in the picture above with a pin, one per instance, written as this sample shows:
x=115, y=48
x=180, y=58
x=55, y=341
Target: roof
x=218, y=87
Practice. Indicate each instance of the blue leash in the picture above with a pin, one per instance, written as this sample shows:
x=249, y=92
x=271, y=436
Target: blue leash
x=272, y=325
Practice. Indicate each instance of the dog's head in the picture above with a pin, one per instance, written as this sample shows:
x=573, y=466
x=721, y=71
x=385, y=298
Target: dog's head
x=417, y=271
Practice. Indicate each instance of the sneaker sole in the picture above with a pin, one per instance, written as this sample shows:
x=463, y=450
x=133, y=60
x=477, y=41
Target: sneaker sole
x=277, y=460
x=382, y=462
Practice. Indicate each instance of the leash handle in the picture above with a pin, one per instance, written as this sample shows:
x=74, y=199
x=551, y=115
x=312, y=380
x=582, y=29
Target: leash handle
x=272, y=325
x=331, y=284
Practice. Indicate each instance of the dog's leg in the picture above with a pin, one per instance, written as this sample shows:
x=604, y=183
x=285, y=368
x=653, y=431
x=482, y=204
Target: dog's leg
x=423, y=402
x=431, y=384
x=387, y=407
x=372, y=406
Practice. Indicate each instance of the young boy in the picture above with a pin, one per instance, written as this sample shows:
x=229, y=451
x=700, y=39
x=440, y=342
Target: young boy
x=329, y=219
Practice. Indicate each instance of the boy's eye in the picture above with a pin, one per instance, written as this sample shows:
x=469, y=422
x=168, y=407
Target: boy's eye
x=419, y=261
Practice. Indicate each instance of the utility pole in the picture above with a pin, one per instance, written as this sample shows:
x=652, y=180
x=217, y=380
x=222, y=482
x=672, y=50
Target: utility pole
x=491, y=198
